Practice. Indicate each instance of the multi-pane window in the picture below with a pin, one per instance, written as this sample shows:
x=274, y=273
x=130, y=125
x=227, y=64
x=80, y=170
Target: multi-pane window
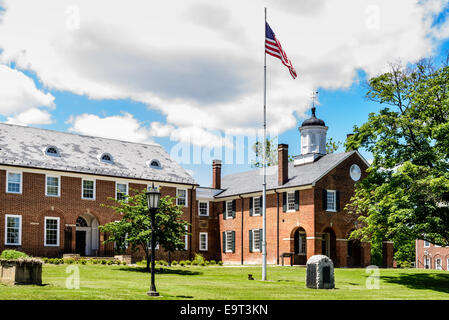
x=426, y=244
x=438, y=265
x=229, y=209
x=181, y=197
x=302, y=242
x=257, y=206
x=122, y=191
x=257, y=235
x=88, y=189
x=203, y=208
x=51, y=231
x=203, y=241
x=229, y=241
x=331, y=200
x=13, y=232
x=186, y=239
x=291, y=201
x=52, y=186
x=14, y=183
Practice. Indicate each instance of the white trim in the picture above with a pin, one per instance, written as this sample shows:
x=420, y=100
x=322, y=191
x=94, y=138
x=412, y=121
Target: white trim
x=255, y=194
x=314, y=238
x=93, y=176
x=253, y=240
x=207, y=208
x=6, y=229
x=294, y=203
x=228, y=233
x=342, y=240
x=226, y=209
x=58, y=231
x=207, y=245
x=186, y=199
x=59, y=185
x=260, y=207
x=436, y=265
x=116, y=189
x=186, y=238
x=428, y=244
x=94, y=191
x=21, y=181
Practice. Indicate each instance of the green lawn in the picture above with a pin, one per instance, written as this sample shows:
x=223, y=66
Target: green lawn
x=122, y=282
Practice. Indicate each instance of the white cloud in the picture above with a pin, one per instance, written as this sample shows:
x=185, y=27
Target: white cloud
x=31, y=116
x=18, y=93
x=121, y=127
x=201, y=64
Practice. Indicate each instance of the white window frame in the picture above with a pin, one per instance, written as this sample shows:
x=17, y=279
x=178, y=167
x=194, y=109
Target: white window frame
x=7, y=181
x=186, y=197
x=94, y=191
x=58, y=231
x=46, y=185
x=426, y=244
x=116, y=189
x=199, y=208
x=334, y=192
x=254, y=240
x=301, y=237
x=228, y=235
x=6, y=229
x=229, y=205
x=260, y=207
x=289, y=194
x=440, y=265
x=206, y=242
x=186, y=238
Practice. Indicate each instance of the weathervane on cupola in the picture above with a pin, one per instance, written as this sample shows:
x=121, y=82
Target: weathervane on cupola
x=313, y=137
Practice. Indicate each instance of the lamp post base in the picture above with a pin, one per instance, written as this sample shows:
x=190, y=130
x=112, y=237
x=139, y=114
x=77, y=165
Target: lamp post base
x=153, y=293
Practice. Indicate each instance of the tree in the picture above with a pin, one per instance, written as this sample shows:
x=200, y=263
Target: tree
x=406, y=193
x=134, y=228
x=332, y=146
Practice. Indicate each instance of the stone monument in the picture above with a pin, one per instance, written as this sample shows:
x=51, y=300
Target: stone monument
x=320, y=273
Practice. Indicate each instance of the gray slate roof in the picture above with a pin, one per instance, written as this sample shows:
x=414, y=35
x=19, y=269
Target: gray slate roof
x=251, y=181
x=23, y=146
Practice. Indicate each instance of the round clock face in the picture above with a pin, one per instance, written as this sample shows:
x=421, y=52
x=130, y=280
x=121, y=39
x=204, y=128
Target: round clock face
x=355, y=172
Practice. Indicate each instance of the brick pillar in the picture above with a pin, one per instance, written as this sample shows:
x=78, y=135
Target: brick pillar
x=366, y=254
x=73, y=239
x=387, y=254
x=282, y=163
x=216, y=174
x=342, y=253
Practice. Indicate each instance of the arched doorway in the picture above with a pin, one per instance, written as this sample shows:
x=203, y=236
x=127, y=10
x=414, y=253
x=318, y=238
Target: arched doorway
x=355, y=252
x=300, y=246
x=329, y=244
x=87, y=235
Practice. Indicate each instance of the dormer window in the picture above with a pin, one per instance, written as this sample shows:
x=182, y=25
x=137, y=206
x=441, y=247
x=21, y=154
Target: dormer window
x=52, y=151
x=154, y=164
x=106, y=158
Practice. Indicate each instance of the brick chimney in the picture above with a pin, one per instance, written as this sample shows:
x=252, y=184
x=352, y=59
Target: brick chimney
x=216, y=174
x=282, y=163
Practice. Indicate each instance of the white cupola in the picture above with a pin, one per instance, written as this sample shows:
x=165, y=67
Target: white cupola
x=313, y=140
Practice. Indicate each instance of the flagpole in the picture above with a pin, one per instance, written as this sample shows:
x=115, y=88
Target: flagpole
x=264, y=198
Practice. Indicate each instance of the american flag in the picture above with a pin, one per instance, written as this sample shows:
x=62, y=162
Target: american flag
x=274, y=48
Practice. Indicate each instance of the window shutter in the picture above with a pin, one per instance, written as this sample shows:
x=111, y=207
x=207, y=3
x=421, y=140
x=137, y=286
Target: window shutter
x=284, y=202
x=224, y=242
x=297, y=200
x=224, y=210
x=251, y=206
x=261, y=205
x=233, y=241
x=324, y=199
x=260, y=239
x=250, y=240
x=337, y=200
x=233, y=208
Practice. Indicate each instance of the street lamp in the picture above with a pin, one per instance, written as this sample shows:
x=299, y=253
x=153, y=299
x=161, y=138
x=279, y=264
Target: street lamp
x=153, y=197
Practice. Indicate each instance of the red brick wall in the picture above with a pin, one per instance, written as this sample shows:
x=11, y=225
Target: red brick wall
x=432, y=253
x=33, y=206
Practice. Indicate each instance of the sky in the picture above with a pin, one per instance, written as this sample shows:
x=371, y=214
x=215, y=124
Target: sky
x=188, y=75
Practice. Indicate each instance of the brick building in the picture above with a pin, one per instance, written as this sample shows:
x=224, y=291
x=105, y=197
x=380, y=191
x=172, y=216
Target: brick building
x=431, y=256
x=52, y=185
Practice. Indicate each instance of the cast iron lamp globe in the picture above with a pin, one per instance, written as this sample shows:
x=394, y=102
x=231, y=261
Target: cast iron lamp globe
x=153, y=197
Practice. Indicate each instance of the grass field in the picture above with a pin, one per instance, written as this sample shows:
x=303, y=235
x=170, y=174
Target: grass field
x=124, y=282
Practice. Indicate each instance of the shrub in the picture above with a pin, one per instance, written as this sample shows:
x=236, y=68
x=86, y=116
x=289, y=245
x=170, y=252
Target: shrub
x=212, y=262
x=45, y=259
x=103, y=261
x=13, y=254
x=69, y=261
x=124, y=263
x=56, y=261
x=142, y=263
x=206, y=263
x=174, y=263
x=220, y=263
x=202, y=263
x=199, y=258
x=188, y=262
x=182, y=263
x=82, y=261
x=110, y=262
x=163, y=263
x=194, y=263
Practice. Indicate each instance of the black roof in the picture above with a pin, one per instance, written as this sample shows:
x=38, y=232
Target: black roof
x=313, y=121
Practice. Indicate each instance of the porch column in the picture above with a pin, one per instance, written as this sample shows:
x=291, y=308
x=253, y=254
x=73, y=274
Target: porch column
x=73, y=238
x=387, y=254
x=366, y=253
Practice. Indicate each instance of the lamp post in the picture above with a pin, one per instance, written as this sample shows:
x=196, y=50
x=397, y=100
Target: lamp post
x=153, y=197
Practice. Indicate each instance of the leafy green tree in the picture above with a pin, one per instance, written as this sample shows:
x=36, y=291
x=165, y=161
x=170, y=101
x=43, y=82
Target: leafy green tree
x=406, y=193
x=134, y=229
x=332, y=146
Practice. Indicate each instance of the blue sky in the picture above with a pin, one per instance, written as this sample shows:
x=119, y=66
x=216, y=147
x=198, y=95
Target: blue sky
x=134, y=75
